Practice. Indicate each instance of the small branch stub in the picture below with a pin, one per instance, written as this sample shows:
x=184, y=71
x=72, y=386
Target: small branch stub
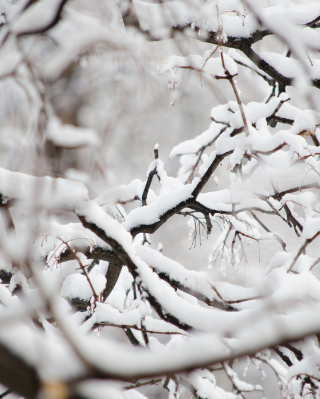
x=156, y=151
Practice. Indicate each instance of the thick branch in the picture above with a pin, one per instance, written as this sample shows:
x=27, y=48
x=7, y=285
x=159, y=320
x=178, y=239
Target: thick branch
x=126, y=260
x=17, y=375
x=113, y=274
x=267, y=68
x=178, y=285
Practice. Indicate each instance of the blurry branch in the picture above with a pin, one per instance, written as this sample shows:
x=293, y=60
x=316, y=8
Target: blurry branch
x=5, y=204
x=135, y=198
x=270, y=151
x=80, y=304
x=314, y=263
x=5, y=276
x=272, y=120
x=5, y=393
x=141, y=384
x=17, y=374
x=55, y=18
x=29, y=383
x=203, y=208
x=135, y=327
x=190, y=362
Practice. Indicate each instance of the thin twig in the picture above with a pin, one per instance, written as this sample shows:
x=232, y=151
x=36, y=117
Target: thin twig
x=302, y=250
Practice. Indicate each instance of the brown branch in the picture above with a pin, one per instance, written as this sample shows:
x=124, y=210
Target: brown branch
x=150, y=177
x=302, y=250
x=201, y=151
x=278, y=238
x=239, y=392
x=112, y=276
x=239, y=43
x=96, y=297
x=236, y=93
x=131, y=337
x=126, y=260
x=178, y=285
x=279, y=195
x=282, y=356
x=292, y=221
x=267, y=68
x=141, y=384
x=17, y=374
x=214, y=164
x=263, y=76
x=152, y=227
x=135, y=327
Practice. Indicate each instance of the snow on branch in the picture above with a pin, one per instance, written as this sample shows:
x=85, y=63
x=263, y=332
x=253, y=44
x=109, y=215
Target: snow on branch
x=114, y=282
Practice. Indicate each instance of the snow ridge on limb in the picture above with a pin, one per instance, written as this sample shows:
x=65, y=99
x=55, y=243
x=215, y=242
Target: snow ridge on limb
x=111, y=231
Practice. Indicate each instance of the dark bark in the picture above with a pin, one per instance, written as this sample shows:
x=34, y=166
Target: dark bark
x=179, y=286
x=17, y=374
x=112, y=276
x=126, y=260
